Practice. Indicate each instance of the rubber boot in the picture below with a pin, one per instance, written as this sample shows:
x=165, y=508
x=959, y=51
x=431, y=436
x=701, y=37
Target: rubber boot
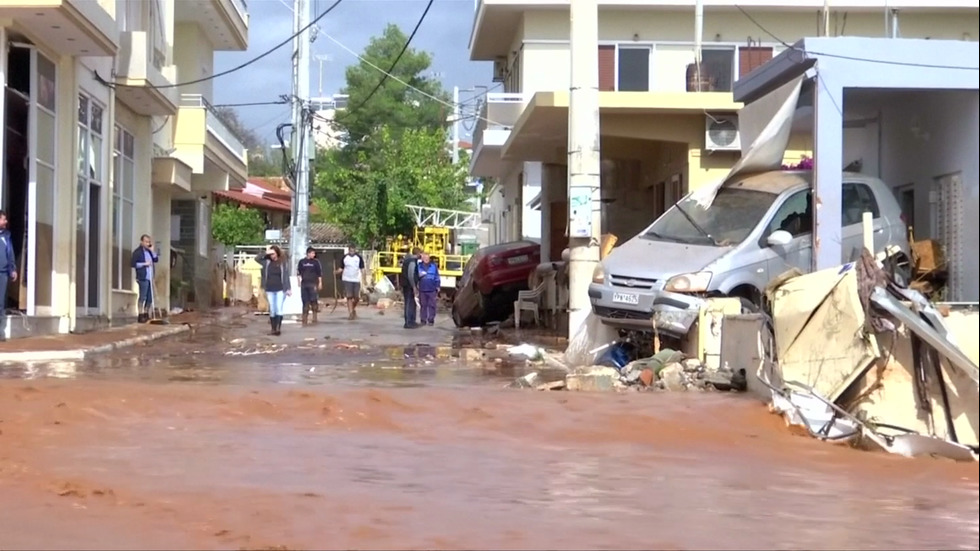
x=316, y=310
x=272, y=324
x=306, y=316
x=278, y=325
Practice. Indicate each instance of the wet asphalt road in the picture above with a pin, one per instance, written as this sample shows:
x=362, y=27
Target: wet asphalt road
x=361, y=435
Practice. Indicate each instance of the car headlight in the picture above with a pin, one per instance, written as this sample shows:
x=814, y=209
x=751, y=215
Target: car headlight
x=599, y=274
x=689, y=283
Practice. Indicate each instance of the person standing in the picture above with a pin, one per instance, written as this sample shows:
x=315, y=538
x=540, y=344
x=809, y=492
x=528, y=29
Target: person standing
x=8, y=271
x=429, y=285
x=350, y=275
x=143, y=261
x=409, y=282
x=311, y=281
x=275, y=282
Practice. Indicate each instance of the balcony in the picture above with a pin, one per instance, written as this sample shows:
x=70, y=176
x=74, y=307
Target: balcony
x=207, y=146
x=497, y=116
x=70, y=27
x=225, y=22
x=147, y=87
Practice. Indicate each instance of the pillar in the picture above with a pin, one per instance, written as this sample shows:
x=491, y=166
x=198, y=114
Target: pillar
x=828, y=157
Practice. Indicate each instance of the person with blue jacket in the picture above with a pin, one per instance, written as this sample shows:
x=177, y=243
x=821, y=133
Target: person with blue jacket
x=429, y=285
x=8, y=271
x=143, y=261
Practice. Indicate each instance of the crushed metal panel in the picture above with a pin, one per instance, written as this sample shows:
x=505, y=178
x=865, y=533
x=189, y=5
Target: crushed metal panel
x=819, y=329
x=930, y=335
x=765, y=125
x=887, y=394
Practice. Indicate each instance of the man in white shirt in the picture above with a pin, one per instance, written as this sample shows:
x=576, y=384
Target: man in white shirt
x=350, y=275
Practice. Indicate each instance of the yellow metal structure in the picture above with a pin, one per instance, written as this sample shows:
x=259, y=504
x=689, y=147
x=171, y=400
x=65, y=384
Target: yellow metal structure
x=432, y=240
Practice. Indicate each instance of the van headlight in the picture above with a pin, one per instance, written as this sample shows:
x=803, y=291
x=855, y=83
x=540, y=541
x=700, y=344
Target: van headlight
x=599, y=274
x=689, y=283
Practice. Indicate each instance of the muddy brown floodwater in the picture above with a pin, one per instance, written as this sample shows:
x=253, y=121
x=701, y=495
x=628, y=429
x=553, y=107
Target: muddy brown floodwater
x=115, y=462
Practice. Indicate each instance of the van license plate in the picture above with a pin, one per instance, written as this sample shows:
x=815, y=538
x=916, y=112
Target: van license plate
x=626, y=298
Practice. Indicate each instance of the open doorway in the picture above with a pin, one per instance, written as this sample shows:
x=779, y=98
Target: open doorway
x=16, y=172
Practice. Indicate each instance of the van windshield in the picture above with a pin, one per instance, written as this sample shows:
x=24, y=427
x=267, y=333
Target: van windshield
x=732, y=216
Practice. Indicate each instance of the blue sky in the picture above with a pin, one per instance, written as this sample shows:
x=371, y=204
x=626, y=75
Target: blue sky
x=444, y=34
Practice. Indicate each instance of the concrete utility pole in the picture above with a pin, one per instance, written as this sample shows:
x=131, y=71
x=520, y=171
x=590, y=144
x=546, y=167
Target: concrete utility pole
x=585, y=222
x=300, y=140
x=456, y=112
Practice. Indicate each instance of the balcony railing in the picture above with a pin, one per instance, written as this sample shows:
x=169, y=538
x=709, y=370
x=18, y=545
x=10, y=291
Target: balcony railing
x=214, y=124
x=499, y=111
x=242, y=7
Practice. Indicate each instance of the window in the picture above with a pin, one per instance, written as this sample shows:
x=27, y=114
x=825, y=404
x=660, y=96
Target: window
x=856, y=199
x=88, y=201
x=732, y=216
x=203, y=229
x=794, y=216
x=633, y=69
x=123, y=155
x=718, y=67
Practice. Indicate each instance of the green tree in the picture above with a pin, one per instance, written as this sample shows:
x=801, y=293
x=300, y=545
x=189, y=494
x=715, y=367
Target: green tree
x=367, y=198
x=232, y=225
x=394, y=105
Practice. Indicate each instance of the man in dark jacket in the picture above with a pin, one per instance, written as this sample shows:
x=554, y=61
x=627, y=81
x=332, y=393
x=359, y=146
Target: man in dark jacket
x=409, y=282
x=8, y=271
x=311, y=280
x=143, y=262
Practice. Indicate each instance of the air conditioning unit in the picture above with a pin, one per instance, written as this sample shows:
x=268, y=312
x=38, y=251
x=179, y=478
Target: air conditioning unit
x=499, y=69
x=721, y=133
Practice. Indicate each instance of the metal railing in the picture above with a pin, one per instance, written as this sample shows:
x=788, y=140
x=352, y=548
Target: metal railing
x=487, y=119
x=242, y=7
x=214, y=124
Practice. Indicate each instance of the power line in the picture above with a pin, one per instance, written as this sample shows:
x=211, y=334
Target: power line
x=253, y=103
x=849, y=58
x=387, y=73
x=233, y=69
x=399, y=80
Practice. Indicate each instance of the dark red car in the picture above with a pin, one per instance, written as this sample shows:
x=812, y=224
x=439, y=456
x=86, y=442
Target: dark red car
x=491, y=280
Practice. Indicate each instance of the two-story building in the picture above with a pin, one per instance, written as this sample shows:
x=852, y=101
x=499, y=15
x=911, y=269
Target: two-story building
x=108, y=136
x=668, y=120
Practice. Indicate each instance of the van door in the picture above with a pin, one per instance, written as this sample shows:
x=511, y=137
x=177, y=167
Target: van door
x=795, y=215
x=856, y=199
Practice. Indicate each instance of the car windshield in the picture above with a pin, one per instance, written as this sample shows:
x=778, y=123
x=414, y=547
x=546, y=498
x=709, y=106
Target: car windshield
x=732, y=216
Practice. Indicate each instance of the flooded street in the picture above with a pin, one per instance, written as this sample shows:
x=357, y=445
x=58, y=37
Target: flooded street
x=358, y=437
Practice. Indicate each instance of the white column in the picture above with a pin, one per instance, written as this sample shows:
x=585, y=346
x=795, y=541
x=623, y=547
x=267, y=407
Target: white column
x=584, y=226
x=828, y=156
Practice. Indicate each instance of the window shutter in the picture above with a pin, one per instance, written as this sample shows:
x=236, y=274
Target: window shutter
x=607, y=68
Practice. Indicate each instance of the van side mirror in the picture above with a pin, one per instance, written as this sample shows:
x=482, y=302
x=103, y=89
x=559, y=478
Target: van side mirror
x=779, y=238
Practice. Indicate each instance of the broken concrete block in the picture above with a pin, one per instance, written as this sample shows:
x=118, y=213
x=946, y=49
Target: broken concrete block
x=471, y=355
x=554, y=385
x=673, y=377
x=598, y=378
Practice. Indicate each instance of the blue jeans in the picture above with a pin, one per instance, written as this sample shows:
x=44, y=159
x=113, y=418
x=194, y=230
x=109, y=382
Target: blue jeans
x=146, y=293
x=4, y=278
x=408, y=294
x=276, y=300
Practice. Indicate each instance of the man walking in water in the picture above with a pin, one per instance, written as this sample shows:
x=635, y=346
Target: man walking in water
x=143, y=260
x=350, y=275
x=409, y=281
x=310, y=280
x=8, y=271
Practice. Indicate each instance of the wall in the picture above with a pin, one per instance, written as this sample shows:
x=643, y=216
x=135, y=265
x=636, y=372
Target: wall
x=929, y=134
x=531, y=218
x=542, y=37
x=161, y=236
x=194, y=58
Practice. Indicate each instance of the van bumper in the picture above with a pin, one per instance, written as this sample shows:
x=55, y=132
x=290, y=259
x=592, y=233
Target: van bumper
x=672, y=314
